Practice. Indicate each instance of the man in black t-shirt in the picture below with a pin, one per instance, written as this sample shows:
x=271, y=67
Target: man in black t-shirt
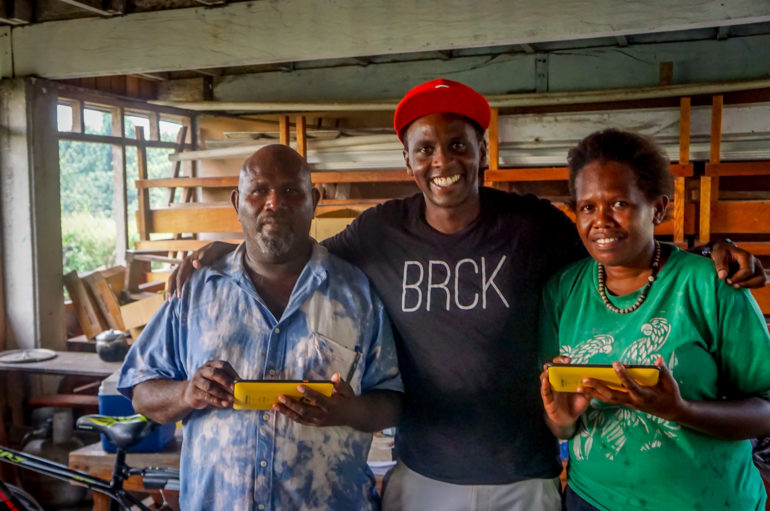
x=460, y=269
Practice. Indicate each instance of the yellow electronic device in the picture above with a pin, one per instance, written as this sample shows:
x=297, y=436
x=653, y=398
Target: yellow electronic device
x=568, y=377
x=262, y=394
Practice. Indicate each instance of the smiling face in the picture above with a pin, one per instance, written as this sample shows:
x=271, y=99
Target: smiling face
x=275, y=202
x=444, y=153
x=614, y=218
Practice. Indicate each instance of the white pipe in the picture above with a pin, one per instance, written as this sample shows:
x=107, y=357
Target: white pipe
x=497, y=101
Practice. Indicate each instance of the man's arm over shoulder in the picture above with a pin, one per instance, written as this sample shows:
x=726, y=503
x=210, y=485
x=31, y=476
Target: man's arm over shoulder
x=349, y=244
x=562, y=242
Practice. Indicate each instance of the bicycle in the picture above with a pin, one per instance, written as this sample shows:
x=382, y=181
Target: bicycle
x=124, y=432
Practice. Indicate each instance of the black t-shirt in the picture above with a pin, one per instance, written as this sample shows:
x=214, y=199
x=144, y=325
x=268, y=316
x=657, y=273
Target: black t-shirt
x=465, y=311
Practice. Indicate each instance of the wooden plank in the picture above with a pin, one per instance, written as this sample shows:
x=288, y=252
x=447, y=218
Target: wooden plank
x=743, y=168
x=684, y=130
x=189, y=182
x=183, y=245
x=707, y=196
x=360, y=176
x=717, y=107
x=740, y=217
x=301, y=130
x=536, y=174
x=143, y=222
x=494, y=141
x=224, y=37
x=194, y=220
x=105, y=300
x=756, y=247
x=89, y=318
x=65, y=400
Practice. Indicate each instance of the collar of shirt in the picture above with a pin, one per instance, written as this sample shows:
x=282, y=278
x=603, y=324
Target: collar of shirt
x=312, y=276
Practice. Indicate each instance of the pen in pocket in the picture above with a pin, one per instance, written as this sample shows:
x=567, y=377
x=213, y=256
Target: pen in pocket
x=354, y=364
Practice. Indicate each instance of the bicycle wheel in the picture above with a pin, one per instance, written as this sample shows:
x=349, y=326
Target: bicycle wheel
x=16, y=499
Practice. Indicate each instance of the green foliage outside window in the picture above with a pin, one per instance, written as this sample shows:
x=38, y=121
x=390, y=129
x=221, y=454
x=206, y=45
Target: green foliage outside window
x=86, y=177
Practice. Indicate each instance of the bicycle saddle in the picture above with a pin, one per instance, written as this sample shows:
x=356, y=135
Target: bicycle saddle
x=124, y=432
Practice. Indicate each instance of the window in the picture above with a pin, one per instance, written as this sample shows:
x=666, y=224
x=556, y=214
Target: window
x=97, y=160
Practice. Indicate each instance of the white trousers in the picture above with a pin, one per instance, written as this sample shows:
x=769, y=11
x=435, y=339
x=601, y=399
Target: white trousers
x=406, y=490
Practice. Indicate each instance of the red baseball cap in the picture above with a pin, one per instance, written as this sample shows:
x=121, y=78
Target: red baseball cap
x=441, y=96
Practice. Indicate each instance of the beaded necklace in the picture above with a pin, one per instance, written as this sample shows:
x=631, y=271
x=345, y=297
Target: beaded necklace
x=642, y=297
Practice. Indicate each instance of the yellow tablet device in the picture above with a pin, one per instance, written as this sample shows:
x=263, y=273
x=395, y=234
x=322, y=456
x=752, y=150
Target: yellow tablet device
x=262, y=394
x=568, y=377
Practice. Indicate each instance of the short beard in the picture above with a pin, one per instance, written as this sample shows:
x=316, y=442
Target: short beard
x=275, y=246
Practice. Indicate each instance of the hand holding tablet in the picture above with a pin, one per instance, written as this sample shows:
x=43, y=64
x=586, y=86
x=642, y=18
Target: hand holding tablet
x=568, y=377
x=262, y=394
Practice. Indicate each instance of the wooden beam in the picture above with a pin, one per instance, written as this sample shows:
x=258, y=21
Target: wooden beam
x=678, y=216
x=143, y=218
x=189, y=182
x=17, y=12
x=106, y=139
x=301, y=130
x=536, y=174
x=684, y=130
x=284, y=130
x=159, y=40
x=363, y=176
x=494, y=141
x=176, y=166
x=706, y=199
x=717, y=107
x=194, y=220
x=743, y=168
x=182, y=245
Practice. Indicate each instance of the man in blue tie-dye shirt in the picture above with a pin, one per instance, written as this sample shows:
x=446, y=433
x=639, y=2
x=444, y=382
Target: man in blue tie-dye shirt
x=279, y=307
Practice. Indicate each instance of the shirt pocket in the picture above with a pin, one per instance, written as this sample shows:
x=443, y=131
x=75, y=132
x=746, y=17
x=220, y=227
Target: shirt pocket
x=321, y=356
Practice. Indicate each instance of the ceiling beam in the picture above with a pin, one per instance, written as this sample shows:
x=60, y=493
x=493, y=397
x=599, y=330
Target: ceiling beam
x=16, y=12
x=251, y=33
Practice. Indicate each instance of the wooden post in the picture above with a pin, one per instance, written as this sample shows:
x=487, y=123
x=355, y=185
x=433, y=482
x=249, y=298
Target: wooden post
x=283, y=129
x=717, y=105
x=301, y=136
x=684, y=131
x=176, y=166
x=709, y=185
x=684, y=159
x=143, y=214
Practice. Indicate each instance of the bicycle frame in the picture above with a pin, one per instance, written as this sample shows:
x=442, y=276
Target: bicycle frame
x=113, y=489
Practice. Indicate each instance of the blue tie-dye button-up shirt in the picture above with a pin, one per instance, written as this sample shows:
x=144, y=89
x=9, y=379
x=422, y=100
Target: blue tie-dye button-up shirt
x=244, y=460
